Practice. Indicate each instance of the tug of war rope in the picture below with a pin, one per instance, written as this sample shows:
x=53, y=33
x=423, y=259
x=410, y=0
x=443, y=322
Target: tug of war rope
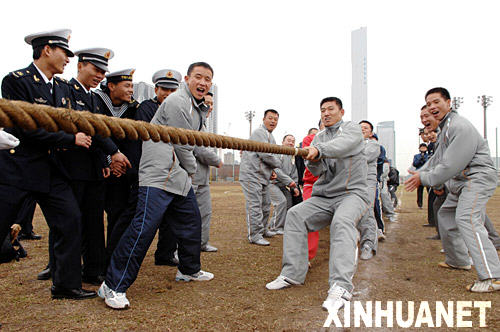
x=29, y=116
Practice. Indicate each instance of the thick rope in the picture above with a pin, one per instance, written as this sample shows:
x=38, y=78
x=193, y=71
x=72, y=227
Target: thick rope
x=32, y=116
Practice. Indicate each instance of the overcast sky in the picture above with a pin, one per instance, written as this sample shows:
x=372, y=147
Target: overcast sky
x=288, y=55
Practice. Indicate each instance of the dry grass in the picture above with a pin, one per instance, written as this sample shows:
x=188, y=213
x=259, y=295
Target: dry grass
x=404, y=269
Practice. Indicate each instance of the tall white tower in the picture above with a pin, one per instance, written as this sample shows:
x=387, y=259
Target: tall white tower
x=359, y=96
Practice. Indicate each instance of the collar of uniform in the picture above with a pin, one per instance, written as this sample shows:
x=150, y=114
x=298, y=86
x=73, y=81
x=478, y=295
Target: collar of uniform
x=81, y=85
x=336, y=126
x=45, y=79
x=446, y=117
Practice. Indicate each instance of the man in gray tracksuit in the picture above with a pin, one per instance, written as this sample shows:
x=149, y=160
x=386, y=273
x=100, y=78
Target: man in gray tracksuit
x=339, y=200
x=281, y=197
x=256, y=169
x=462, y=161
x=385, y=196
x=368, y=225
x=165, y=194
x=205, y=157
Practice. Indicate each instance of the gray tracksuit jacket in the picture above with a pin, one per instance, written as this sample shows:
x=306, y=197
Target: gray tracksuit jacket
x=258, y=166
x=205, y=157
x=342, y=167
x=169, y=166
x=287, y=172
x=372, y=151
x=461, y=153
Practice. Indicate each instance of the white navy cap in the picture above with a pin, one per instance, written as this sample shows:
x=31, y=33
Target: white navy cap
x=167, y=78
x=121, y=75
x=59, y=38
x=97, y=56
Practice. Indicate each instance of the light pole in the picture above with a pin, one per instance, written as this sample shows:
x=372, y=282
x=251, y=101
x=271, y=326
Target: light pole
x=249, y=116
x=456, y=102
x=485, y=101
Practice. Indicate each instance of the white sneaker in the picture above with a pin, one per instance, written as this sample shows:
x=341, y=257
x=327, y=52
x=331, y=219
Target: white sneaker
x=198, y=276
x=280, y=232
x=484, y=286
x=393, y=218
x=281, y=282
x=260, y=242
x=336, y=299
x=208, y=248
x=113, y=299
x=381, y=236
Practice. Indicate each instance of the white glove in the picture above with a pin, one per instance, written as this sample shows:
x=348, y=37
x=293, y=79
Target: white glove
x=7, y=141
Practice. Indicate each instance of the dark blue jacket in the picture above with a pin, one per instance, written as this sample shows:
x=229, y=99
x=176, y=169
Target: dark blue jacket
x=420, y=159
x=29, y=165
x=81, y=163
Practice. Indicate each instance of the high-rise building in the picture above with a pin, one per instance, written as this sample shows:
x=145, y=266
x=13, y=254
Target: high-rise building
x=143, y=91
x=212, y=119
x=387, y=138
x=359, y=95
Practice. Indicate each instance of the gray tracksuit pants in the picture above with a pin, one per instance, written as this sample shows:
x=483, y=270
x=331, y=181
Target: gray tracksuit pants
x=385, y=197
x=204, y=200
x=462, y=228
x=367, y=226
x=281, y=203
x=341, y=213
x=258, y=206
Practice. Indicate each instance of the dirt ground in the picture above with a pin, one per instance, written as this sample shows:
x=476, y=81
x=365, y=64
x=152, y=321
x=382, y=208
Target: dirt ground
x=405, y=269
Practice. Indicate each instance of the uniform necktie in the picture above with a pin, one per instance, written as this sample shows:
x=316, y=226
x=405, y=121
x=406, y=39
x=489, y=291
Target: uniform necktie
x=50, y=87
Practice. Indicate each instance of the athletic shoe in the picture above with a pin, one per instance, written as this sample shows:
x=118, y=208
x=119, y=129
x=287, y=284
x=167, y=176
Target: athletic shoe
x=484, y=286
x=280, y=232
x=260, y=242
x=366, y=253
x=337, y=298
x=393, y=218
x=113, y=299
x=456, y=267
x=442, y=251
x=269, y=233
x=281, y=282
x=198, y=276
x=381, y=236
x=208, y=248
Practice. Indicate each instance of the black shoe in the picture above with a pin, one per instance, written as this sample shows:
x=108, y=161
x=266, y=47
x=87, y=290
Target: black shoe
x=30, y=236
x=435, y=237
x=74, y=294
x=93, y=280
x=170, y=262
x=45, y=274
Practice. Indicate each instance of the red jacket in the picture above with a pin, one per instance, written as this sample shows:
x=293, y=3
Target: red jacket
x=308, y=177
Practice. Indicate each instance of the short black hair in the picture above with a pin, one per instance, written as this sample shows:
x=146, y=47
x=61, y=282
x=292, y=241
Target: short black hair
x=442, y=91
x=367, y=122
x=287, y=136
x=310, y=130
x=272, y=111
x=37, y=51
x=210, y=94
x=425, y=106
x=422, y=144
x=199, y=64
x=328, y=99
x=421, y=131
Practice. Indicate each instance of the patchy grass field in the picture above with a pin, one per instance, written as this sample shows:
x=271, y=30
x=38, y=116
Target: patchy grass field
x=405, y=269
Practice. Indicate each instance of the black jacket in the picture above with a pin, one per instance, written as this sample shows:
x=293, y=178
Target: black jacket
x=29, y=165
x=81, y=163
x=125, y=145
